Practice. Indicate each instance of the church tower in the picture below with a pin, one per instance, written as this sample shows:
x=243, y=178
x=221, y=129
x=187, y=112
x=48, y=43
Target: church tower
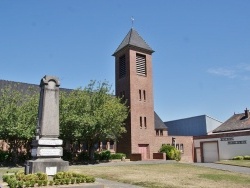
x=133, y=81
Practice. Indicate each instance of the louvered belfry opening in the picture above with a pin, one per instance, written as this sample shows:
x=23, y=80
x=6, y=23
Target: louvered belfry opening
x=141, y=64
x=122, y=66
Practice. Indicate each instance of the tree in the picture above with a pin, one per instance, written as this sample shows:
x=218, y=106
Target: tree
x=91, y=115
x=18, y=114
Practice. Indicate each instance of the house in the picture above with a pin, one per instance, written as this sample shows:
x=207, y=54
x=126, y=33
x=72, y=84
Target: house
x=230, y=139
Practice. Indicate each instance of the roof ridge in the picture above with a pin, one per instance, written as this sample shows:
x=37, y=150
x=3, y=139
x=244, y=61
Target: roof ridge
x=133, y=39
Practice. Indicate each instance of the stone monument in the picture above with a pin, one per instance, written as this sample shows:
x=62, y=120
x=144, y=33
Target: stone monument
x=47, y=149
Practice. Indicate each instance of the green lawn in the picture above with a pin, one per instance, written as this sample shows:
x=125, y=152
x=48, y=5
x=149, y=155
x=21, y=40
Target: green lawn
x=173, y=175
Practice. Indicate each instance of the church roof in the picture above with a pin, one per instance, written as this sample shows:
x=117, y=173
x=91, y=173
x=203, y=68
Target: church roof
x=133, y=39
x=159, y=124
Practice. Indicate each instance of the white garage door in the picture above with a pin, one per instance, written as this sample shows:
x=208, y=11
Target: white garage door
x=210, y=152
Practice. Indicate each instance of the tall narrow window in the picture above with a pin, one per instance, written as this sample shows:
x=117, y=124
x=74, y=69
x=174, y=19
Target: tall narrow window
x=182, y=148
x=145, y=122
x=122, y=66
x=141, y=64
x=140, y=121
x=139, y=94
x=144, y=95
x=161, y=132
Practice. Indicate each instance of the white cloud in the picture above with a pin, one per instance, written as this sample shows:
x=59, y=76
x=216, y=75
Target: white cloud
x=240, y=71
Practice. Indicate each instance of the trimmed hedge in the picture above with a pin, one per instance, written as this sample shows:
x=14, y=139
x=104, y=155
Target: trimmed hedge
x=19, y=179
x=246, y=157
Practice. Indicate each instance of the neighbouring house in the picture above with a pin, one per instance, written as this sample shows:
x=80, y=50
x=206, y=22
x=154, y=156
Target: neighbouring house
x=230, y=139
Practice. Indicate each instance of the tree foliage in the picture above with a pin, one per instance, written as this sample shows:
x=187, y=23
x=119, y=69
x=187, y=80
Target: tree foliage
x=92, y=114
x=89, y=115
x=18, y=114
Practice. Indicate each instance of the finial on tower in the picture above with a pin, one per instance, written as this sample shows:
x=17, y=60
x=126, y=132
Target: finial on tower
x=132, y=20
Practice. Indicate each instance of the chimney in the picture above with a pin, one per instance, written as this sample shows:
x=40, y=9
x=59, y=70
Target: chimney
x=246, y=113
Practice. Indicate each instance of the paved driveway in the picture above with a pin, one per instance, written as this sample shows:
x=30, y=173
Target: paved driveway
x=239, y=169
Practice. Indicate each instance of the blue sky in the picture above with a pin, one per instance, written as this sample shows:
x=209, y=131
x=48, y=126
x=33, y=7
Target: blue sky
x=201, y=63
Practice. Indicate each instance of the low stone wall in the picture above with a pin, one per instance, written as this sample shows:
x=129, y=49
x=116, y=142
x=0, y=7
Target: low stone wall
x=159, y=156
x=135, y=157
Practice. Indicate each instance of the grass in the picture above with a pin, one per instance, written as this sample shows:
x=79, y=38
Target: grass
x=245, y=163
x=175, y=175
x=172, y=175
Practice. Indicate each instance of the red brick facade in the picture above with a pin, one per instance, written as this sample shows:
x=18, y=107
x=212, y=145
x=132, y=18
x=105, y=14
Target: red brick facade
x=141, y=137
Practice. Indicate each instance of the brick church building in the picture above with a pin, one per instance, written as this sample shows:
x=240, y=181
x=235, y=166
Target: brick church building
x=146, y=132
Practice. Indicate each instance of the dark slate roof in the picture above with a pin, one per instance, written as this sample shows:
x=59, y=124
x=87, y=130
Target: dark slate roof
x=24, y=87
x=159, y=123
x=237, y=122
x=133, y=39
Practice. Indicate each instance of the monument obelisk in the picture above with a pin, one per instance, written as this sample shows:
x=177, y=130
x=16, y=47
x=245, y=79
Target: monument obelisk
x=47, y=149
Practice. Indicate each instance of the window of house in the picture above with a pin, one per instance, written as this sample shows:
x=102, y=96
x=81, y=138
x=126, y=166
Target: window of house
x=157, y=132
x=161, y=132
x=141, y=64
x=139, y=94
x=145, y=122
x=140, y=121
x=177, y=146
x=182, y=148
x=144, y=95
x=122, y=66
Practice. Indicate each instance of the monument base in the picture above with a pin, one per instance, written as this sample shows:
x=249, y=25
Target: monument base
x=50, y=166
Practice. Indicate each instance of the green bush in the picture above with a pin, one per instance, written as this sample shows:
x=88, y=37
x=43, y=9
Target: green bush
x=4, y=155
x=246, y=157
x=238, y=158
x=83, y=156
x=51, y=182
x=89, y=179
x=117, y=156
x=67, y=155
x=20, y=184
x=40, y=183
x=73, y=180
x=105, y=155
x=27, y=184
x=171, y=152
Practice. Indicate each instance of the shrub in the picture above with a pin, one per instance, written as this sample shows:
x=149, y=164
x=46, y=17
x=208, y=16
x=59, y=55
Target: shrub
x=73, y=180
x=171, y=152
x=90, y=179
x=40, y=183
x=4, y=155
x=32, y=183
x=67, y=181
x=117, y=156
x=238, y=158
x=20, y=184
x=51, y=182
x=27, y=184
x=45, y=182
x=105, y=155
x=78, y=180
x=246, y=157
x=83, y=156
x=67, y=155
x=41, y=176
